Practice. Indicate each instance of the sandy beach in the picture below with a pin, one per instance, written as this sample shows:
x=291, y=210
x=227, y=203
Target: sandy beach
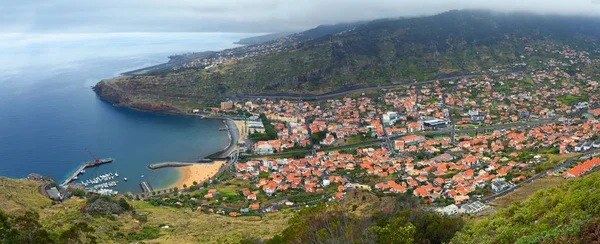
x=198, y=172
x=242, y=128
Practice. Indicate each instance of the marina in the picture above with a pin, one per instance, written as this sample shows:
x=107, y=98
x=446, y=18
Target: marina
x=82, y=168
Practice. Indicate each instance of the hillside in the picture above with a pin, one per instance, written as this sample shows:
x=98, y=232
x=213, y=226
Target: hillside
x=262, y=38
x=565, y=214
x=375, y=53
x=20, y=195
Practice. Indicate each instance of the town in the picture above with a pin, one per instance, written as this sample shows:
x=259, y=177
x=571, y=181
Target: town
x=460, y=142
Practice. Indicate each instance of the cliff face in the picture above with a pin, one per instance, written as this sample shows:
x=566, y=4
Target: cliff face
x=145, y=102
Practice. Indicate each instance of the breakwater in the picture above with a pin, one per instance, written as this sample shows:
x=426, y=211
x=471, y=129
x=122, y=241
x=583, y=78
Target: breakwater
x=233, y=134
x=168, y=164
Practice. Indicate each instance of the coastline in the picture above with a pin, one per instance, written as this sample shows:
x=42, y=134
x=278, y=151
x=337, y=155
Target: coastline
x=198, y=172
x=202, y=172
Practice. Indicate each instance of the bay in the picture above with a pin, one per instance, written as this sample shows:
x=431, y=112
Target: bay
x=49, y=115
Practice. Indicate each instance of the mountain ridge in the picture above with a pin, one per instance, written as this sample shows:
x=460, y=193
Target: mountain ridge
x=375, y=53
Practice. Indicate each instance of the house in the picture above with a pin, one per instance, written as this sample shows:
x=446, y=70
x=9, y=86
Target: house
x=451, y=209
x=251, y=197
x=415, y=126
x=270, y=188
x=579, y=146
x=582, y=168
x=595, y=112
x=399, y=145
x=412, y=139
x=263, y=147
x=498, y=186
x=476, y=116
x=329, y=140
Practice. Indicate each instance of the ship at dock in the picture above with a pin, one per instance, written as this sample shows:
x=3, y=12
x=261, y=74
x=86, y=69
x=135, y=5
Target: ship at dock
x=85, y=165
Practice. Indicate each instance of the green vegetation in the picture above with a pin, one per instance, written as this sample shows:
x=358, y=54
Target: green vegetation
x=378, y=220
x=270, y=132
x=317, y=137
x=564, y=214
x=145, y=233
x=376, y=53
x=569, y=99
x=16, y=193
x=527, y=190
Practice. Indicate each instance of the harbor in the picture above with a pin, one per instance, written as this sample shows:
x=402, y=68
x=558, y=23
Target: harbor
x=82, y=168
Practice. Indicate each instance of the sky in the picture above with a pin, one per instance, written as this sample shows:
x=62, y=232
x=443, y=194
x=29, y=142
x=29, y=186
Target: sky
x=248, y=16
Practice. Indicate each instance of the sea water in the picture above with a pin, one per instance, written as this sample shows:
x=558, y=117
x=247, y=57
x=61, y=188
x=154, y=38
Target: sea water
x=49, y=114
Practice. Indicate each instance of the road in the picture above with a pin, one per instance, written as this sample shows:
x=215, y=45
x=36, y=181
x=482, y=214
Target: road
x=323, y=96
x=553, y=169
x=346, y=91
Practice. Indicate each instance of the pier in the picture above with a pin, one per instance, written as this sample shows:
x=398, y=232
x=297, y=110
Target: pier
x=167, y=164
x=84, y=166
x=146, y=187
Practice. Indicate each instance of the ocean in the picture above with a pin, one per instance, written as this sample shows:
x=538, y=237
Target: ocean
x=49, y=114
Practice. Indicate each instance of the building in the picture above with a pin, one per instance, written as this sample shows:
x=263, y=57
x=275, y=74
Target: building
x=523, y=114
x=473, y=207
x=54, y=194
x=451, y=209
x=595, y=112
x=263, y=147
x=390, y=118
x=476, y=116
x=226, y=105
x=399, y=145
x=435, y=124
x=498, y=186
x=256, y=126
x=412, y=139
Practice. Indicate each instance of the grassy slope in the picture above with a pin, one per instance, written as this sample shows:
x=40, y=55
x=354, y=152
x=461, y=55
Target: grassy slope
x=197, y=227
x=527, y=190
x=19, y=195
x=550, y=215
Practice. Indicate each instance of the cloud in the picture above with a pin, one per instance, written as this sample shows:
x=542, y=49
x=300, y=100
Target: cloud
x=241, y=15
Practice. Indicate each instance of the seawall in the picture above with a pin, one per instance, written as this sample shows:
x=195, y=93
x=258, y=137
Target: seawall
x=233, y=138
x=168, y=164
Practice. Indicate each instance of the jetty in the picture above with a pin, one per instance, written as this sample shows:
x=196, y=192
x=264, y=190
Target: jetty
x=233, y=134
x=168, y=164
x=146, y=187
x=84, y=166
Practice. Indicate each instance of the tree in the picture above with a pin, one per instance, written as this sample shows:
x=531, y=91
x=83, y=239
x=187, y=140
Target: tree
x=184, y=185
x=124, y=204
x=79, y=192
x=7, y=233
x=394, y=232
x=80, y=232
x=30, y=229
x=195, y=183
